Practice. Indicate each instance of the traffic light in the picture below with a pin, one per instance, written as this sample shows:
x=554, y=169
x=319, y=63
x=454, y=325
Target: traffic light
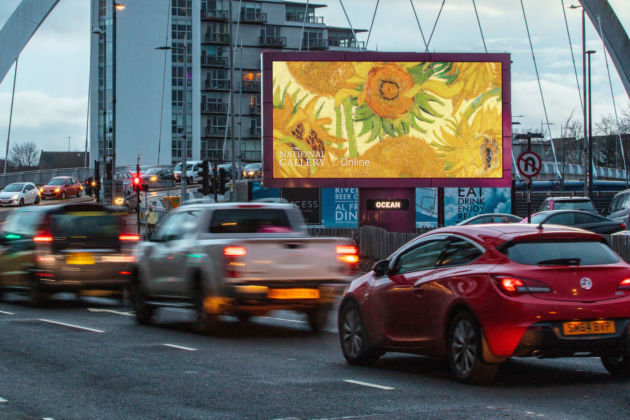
x=138, y=185
x=222, y=181
x=205, y=178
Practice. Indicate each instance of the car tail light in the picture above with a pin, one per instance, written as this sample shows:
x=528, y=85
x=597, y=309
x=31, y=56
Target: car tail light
x=623, y=226
x=347, y=253
x=234, y=251
x=515, y=286
x=232, y=263
x=128, y=237
x=624, y=284
x=42, y=237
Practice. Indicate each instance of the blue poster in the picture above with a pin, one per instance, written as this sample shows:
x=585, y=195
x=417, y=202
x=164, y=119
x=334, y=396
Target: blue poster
x=258, y=191
x=426, y=207
x=464, y=203
x=340, y=207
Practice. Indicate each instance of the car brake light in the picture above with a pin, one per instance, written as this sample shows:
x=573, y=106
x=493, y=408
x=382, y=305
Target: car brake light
x=513, y=285
x=347, y=253
x=234, y=251
x=128, y=237
x=623, y=226
x=42, y=238
x=625, y=284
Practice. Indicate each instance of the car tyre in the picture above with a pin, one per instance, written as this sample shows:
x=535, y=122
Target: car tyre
x=63, y=195
x=36, y=297
x=317, y=317
x=144, y=311
x=21, y=203
x=465, y=351
x=617, y=363
x=79, y=193
x=37, y=200
x=244, y=317
x=205, y=322
x=354, y=338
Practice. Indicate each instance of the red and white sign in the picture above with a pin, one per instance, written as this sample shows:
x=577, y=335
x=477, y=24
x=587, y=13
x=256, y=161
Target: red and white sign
x=529, y=164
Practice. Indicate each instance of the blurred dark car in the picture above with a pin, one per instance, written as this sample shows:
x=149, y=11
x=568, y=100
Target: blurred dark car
x=65, y=248
x=491, y=218
x=568, y=203
x=577, y=218
x=227, y=167
x=61, y=187
x=157, y=173
x=252, y=170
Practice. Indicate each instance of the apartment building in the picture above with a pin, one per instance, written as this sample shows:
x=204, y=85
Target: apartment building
x=223, y=54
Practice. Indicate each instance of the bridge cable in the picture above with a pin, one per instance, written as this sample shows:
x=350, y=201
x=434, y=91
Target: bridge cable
x=371, y=24
x=168, y=25
x=542, y=97
x=303, y=24
x=356, y=41
x=480, y=30
x=612, y=94
x=6, y=155
x=435, y=24
x=426, y=47
x=566, y=24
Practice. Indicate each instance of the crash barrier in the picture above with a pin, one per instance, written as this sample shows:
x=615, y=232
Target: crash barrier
x=42, y=176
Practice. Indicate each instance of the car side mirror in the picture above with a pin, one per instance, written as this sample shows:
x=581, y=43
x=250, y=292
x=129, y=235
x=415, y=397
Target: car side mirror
x=381, y=268
x=604, y=212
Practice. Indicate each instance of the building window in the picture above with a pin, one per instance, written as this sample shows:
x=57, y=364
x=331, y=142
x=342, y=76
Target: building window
x=181, y=7
x=296, y=14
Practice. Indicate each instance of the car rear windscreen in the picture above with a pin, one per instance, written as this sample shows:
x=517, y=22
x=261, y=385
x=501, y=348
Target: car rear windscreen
x=250, y=221
x=560, y=252
x=92, y=229
x=573, y=205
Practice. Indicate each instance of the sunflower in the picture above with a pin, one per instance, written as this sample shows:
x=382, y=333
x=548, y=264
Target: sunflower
x=471, y=150
x=474, y=79
x=400, y=157
x=322, y=78
x=301, y=145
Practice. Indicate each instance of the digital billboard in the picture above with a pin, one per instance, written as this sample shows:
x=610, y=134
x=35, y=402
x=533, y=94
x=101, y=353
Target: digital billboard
x=386, y=119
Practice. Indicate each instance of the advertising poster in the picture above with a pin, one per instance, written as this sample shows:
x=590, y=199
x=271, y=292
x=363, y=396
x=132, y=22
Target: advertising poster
x=340, y=207
x=426, y=207
x=308, y=200
x=387, y=120
x=259, y=192
x=463, y=203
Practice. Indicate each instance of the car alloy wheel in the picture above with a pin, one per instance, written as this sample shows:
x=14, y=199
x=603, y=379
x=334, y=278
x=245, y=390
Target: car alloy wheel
x=37, y=200
x=143, y=311
x=464, y=351
x=21, y=203
x=353, y=337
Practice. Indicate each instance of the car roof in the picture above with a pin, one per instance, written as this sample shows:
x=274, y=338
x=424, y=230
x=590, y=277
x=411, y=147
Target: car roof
x=498, y=233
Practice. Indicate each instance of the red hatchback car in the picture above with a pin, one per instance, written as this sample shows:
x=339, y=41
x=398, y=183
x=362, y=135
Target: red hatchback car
x=480, y=294
x=61, y=187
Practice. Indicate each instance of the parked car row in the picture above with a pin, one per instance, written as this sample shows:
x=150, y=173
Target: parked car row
x=23, y=193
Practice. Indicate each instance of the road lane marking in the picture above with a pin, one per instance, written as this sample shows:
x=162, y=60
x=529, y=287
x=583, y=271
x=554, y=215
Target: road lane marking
x=175, y=346
x=71, y=325
x=111, y=311
x=368, y=384
x=284, y=319
x=6, y=313
x=2, y=400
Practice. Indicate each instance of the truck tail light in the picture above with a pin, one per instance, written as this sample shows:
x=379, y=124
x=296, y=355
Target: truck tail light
x=347, y=253
x=232, y=263
x=128, y=237
x=42, y=237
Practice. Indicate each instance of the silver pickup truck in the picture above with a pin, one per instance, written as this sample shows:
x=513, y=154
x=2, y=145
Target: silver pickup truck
x=242, y=259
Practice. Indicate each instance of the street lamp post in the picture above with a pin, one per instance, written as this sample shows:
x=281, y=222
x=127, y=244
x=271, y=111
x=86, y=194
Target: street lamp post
x=590, y=128
x=529, y=136
x=587, y=170
x=102, y=34
x=115, y=8
x=185, y=120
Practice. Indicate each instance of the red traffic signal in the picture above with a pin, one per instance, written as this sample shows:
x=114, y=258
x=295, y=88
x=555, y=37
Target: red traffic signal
x=136, y=181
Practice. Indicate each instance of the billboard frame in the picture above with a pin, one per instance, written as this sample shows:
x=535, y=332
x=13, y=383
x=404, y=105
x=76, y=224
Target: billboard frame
x=269, y=57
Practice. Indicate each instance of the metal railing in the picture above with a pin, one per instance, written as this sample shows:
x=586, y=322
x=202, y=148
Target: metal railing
x=299, y=17
x=315, y=43
x=273, y=41
x=214, y=84
x=214, y=107
x=217, y=38
x=211, y=60
x=250, y=85
x=253, y=17
x=42, y=176
x=214, y=14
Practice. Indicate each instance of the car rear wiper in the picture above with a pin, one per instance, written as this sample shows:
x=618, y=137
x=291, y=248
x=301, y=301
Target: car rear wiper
x=560, y=261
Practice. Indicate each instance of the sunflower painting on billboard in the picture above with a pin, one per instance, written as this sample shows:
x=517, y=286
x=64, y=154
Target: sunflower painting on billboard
x=366, y=119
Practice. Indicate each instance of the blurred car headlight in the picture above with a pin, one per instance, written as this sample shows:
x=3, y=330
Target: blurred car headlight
x=41, y=189
x=57, y=189
x=15, y=196
x=153, y=178
x=119, y=201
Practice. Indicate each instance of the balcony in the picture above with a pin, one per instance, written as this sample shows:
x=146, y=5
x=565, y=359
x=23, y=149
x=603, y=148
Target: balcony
x=255, y=131
x=346, y=43
x=250, y=86
x=214, y=15
x=254, y=109
x=253, y=17
x=217, y=38
x=217, y=131
x=214, y=108
x=315, y=44
x=214, y=61
x=299, y=17
x=273, y=41
x=216, y=84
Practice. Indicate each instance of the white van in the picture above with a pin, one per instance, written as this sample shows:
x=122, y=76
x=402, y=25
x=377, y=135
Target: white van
x=192, y=171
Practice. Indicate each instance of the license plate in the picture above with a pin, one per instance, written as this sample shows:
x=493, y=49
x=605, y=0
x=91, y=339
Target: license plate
x=80, y=258
x=588, y=327
x=293, y=294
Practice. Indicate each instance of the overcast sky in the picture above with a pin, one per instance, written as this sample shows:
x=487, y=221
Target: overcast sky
x=52, y=83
